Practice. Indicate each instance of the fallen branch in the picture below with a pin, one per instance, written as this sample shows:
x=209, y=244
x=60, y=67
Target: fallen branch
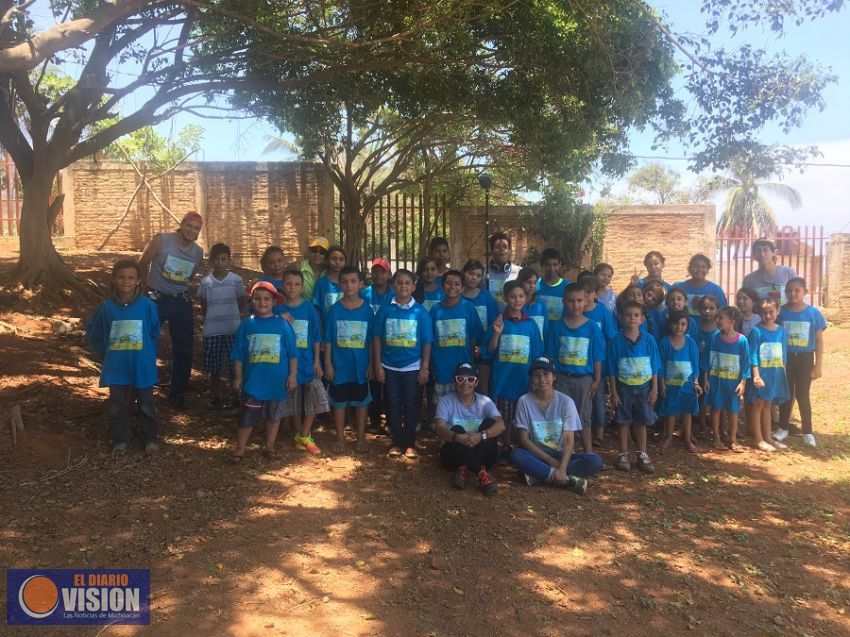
x=61, y=472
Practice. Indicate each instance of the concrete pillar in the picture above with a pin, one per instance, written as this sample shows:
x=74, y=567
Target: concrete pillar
x=837, y=306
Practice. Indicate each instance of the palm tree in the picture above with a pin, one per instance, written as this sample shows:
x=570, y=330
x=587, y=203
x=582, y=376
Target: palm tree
x=745, y=207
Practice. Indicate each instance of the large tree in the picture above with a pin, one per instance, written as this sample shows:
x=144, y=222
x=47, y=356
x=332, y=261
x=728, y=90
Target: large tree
x=563, y=77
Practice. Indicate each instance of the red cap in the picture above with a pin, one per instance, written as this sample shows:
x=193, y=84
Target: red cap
x=381, y=263
x=268, y=287
x=194, y=216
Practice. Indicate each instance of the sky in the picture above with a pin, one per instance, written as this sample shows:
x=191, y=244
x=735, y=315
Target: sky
x=825, y=191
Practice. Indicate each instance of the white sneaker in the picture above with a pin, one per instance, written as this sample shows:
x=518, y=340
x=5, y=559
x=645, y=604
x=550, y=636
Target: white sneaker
x=780, y=434
x=809, y=439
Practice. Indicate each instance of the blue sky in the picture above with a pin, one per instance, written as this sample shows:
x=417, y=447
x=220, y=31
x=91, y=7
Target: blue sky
x=824, y=190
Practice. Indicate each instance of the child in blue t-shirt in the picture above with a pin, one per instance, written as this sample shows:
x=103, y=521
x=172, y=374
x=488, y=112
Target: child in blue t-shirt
x=550, y=289
x=698, y=286
x=577, y=347
x=222, y=296
x=402, y=353
x=679, y=378
x=599, y=313
x=513, y=342
x=633, y=365
x=380, y=292
x=729, y=367
x=653, y=301
x=487, y=310
x=327, y=291
x=676, y=300
x=605, y=295
x=534, y=307
x=309, y=398
x=348, y=356
x=804, y=326
x=708, y=307
x=769, y=384
x=427, y=291
x=124, y=331
x=265, y=362
x=457, y=329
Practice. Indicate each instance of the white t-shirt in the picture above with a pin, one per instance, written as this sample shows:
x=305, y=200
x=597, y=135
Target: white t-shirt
x=222, y=299
x=454, y=412
x=547, y=426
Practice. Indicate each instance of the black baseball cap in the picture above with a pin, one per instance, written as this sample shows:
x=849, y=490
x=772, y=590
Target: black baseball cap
x=542, y=362
x=465, y=369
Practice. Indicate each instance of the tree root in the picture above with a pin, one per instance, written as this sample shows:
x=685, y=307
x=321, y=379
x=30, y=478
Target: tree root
x=51, y=283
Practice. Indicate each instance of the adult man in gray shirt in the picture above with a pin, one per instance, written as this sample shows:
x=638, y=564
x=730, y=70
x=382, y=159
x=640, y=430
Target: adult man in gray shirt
x=769, y=279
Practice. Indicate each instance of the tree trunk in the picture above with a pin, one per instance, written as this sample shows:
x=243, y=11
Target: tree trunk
x=353, y=229
x=39, y=263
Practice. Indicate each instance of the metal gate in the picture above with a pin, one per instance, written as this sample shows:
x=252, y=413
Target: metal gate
x=12, y=199
x=803, y=248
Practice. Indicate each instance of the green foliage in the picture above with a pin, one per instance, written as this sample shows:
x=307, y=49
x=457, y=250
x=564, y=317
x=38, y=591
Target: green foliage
x=160, y=153
x=656, y=180
x=566, y=224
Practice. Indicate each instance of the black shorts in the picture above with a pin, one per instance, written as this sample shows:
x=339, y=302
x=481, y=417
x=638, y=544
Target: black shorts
x=349, y=395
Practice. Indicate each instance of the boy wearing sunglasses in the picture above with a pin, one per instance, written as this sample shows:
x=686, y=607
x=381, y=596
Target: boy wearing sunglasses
x=469, y=425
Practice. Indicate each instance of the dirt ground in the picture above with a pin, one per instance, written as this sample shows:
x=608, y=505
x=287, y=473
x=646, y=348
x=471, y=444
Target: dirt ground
x=359, y=544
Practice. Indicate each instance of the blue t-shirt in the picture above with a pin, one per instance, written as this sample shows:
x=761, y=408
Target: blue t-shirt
x=264, y=345
x=604, y=318
x=696, y=291
x=653, y=320
x=703, y=340
x=801, y=327
x=431, y=298
x=539, y=314
x=487, y=310
x=325, y=294
x=679, y=367
x=519, y=344
x=455, y=329
x=308, y=331
x=633, y=364
x=375, y=300
x=769, y=352
x=575, y=351
x=552, y=297
x=729, y=361
x=663, y=325
x=126, y=336
x=349, y=333
x=403, y=331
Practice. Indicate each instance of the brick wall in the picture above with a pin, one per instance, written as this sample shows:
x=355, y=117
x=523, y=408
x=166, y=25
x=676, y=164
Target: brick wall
x=677, y=231
x=838, y=279
x=248, y=205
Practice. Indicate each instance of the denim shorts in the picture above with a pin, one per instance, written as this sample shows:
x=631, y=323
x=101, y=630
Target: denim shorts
x=634, y=407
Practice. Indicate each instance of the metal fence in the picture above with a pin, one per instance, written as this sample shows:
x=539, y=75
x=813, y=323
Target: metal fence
x=399, y=228
x=804, y=248
x=12, y=199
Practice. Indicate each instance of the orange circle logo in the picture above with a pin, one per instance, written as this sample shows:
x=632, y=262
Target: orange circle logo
x=38, y=596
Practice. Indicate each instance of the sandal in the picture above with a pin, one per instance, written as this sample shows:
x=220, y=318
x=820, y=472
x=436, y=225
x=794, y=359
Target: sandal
x=394, y=452
x=597, y=443
x=410, y=453
x=719, y=446
x=736, y=448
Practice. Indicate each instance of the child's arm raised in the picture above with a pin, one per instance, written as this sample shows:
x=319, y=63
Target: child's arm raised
x=498, y=327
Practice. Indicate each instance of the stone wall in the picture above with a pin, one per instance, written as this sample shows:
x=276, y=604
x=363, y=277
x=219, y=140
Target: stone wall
x=838, y=279
x=248, y=205
x=677, y=231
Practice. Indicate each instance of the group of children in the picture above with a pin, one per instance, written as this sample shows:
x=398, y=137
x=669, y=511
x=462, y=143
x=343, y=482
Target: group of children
x=657, y=352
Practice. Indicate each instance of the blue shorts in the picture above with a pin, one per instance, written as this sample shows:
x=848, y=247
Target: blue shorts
x=349, y=395
x=634, y=406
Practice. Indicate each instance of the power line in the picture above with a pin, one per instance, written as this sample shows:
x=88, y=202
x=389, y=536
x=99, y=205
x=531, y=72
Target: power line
x=802, y=163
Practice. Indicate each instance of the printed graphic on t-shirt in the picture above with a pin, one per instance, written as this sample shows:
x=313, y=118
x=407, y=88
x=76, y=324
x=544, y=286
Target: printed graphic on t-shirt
x=401, y=332
x=177, y=269
x=677, y=373
x=429, y=303
x=451, y=332
x=469, y=424
x=774, y=292
x=554, y=306
x=797, y=332
x=726, y=366
x=301, y=328
x=770, y=355
x=573, y=351
x=125, y=335
x=331, y=298
x=482, y=314
x=495, y=286
x=547, y=432
x=351, y=334
x=539, y=321
x=263, y=348
x=635, y=370
x=514, y=348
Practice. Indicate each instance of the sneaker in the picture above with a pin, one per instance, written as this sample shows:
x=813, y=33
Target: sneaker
x=809, y=439
x=310, y=445
x=577, y=485
x=488, y=483
x=151, y=447
x=299, y=441
x=623, y=463
x=460, y=478
x=119, y=448
x=780, y=435
x=644, y=463
x=530, y=480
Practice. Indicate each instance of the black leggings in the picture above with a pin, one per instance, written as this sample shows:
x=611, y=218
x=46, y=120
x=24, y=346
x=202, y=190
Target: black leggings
x=799, y=372
x=454, y=455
